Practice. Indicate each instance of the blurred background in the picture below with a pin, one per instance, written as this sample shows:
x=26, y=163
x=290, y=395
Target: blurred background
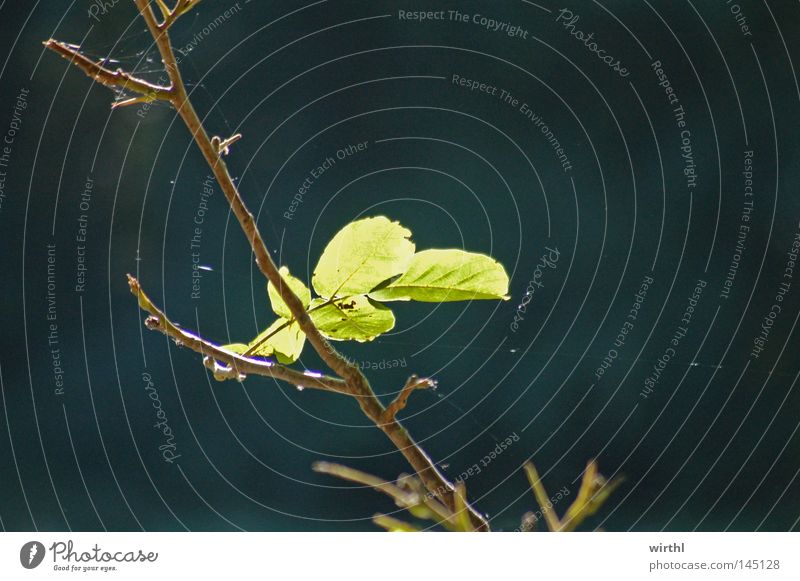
x=634, y=165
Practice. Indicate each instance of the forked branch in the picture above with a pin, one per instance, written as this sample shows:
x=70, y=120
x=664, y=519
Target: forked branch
x=593, y=493
x=413, y=383
x=170, y=15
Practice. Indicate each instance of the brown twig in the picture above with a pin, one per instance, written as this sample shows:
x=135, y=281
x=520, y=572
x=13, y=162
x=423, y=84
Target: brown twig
x=413, y=383
x=356, y=384
x=117, y=79
x=235, y=366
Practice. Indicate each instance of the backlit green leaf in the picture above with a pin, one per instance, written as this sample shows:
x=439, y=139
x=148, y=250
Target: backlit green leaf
x=280, y=340
x=448, y=275
x=393, y=525
x=238, y=348
x=362, y=255
x=301, y=290
x=354, y=318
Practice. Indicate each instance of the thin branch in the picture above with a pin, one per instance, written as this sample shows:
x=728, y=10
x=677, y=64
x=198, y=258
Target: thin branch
x=401, y=496
x=461, y=513
x=235, y=366
x=553, y=523
x=118, y=79
x=427, y=471
x=401, y=400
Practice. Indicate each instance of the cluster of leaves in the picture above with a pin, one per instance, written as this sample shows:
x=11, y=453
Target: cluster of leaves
x=370, y=262
x=409, y=493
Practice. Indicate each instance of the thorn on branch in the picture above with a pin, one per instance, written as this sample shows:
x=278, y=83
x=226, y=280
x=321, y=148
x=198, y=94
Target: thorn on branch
x=133, y=101
x=152, y=323
x=222, y=146
x=117, y=79
x=401, y=400
x=223, y=372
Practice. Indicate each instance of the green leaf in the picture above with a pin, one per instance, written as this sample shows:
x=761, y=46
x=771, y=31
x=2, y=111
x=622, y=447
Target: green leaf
x=353, y=318
x=300, y=289
x=448, y=275
x=285, y=344
x=362, y=255
x=393, y=525
x=238, y=348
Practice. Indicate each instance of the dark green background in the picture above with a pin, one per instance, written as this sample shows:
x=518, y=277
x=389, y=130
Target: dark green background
x=714, y=447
